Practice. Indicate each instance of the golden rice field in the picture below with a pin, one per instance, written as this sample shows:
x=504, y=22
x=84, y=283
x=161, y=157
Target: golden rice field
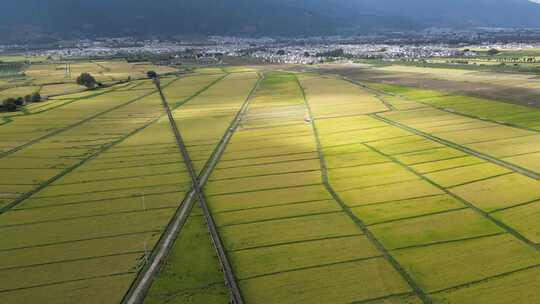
x=326, y=191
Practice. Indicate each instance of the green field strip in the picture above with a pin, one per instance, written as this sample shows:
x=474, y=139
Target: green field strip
x=477, y=180
x=109, y=190
x=491, y=140
x=85, y=228
x=310, y=267
x=275, y=135
x=432, y=158
x=400, y=298
x=435, y=243
x=499, y=290
x=358, y=166
x=63, y=219
x=106, y=237
x=299, y=255
x=273, y=211
x=477, y=210
x=92, y=201
x=264, y=189
x=480, y=127
x=446, y=159
x=370, y=140
x=457, y=112
x=221, y=167
x=387, y=256
x=353, y=129
x=463, y=114
x=316, y=287
x=498, y=276
x=515, y=206
x=356, y=234
x=290, y=217
x=261, y=175
x=112, y=158
x=139, y=252
x=56, y=253
x=269, y=206
x=466, y=261
x=266, y=156
x=412, y=207
x=190, y=273
x=87, y=181
x=416, y=216
x=507, y=123
x=132, y=166
x=64, y=282
x=304, y=139
x=469, y=151
x=384, y=202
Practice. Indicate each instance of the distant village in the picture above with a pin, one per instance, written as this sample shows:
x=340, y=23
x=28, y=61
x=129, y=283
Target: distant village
x=430, y=43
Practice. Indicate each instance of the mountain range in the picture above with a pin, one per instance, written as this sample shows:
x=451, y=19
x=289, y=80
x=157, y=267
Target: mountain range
x=256, y=17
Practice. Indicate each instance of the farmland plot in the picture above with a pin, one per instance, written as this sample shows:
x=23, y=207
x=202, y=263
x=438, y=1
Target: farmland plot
x=59, y=149
x=419, y=197
x=129, y=210
x=279, y=223
x=93, y=225
x=325, y=193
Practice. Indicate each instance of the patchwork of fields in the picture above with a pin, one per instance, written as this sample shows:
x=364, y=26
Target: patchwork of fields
x=54, y=78
x=327, y=192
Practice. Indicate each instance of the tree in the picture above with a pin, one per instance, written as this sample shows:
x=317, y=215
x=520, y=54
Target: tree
x=10, y=104
x=307, y=54
x=493, y=52
x=19, y=101
x=36, y=97
x=152, y=75
x=87, y=80
x=281, y=53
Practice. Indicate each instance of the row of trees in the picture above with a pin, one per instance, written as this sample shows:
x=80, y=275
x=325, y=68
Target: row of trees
x=11, y=104
x=85, y=79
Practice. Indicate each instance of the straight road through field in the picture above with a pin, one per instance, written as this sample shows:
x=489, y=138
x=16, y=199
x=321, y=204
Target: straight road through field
x=216, y=240
x=140, y=287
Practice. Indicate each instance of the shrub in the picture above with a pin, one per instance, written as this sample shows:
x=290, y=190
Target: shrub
x=36, y=97
x=10, y=104
x=151, y=74
x=87, y=80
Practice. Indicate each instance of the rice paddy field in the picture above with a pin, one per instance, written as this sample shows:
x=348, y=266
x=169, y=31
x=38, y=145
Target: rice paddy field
x=321, y=189
x=54, y=78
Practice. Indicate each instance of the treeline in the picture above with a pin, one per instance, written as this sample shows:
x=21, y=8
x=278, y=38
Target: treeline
x=11, y=104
